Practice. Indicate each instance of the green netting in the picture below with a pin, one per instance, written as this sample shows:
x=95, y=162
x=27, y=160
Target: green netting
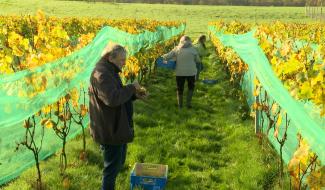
x=304, y=116
x=20, y=100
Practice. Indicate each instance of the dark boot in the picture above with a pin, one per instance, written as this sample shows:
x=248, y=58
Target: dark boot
x=180, y=99
x=189, y=99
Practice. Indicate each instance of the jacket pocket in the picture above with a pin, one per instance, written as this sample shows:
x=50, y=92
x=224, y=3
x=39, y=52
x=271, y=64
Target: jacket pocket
x=124, y=133
x=117, y=119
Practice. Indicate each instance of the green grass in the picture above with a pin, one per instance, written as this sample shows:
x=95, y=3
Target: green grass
x=196, y=16
x=207, y=147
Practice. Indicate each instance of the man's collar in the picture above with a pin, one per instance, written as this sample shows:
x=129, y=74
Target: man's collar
x=115, y=67
x=111, y=65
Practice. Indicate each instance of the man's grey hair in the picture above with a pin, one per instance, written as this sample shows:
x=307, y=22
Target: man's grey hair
x=113, y=50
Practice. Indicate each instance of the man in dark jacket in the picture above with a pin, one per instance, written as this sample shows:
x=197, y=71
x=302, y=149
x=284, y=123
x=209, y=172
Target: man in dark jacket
x=111, y=109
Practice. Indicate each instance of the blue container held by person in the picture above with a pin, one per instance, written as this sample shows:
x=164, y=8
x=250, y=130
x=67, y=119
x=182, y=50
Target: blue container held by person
x=170, y=64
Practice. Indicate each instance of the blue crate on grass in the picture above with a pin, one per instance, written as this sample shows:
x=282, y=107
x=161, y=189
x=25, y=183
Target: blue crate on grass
x=170, y=64
x=209, y=81
x=149, y=176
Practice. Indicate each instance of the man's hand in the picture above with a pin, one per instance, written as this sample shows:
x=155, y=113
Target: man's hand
x=142, y=94
x=165, y=62
x=136, y=85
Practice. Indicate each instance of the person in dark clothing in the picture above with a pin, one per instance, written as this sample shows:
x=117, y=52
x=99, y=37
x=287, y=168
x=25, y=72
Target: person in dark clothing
x=111, y=110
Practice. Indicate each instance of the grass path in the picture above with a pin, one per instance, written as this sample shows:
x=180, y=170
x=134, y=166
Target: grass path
x=208, y=147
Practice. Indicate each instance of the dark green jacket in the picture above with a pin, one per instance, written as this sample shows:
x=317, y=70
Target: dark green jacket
x=108, y=103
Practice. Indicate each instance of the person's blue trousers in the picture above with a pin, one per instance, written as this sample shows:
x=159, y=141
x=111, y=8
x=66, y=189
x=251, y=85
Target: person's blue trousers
x=114, y=159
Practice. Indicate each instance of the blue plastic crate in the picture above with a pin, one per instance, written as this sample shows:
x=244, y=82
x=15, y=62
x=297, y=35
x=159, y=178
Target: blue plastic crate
x=149, y=176
x=209, y=81
x=170, y=64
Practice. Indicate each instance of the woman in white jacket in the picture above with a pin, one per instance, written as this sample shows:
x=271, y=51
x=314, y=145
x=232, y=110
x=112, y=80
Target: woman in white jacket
x=186, y=57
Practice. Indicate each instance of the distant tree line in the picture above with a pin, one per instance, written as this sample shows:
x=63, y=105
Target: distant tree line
x=215, y=2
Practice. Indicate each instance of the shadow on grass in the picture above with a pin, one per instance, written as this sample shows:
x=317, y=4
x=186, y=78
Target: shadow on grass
x=95, y=158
